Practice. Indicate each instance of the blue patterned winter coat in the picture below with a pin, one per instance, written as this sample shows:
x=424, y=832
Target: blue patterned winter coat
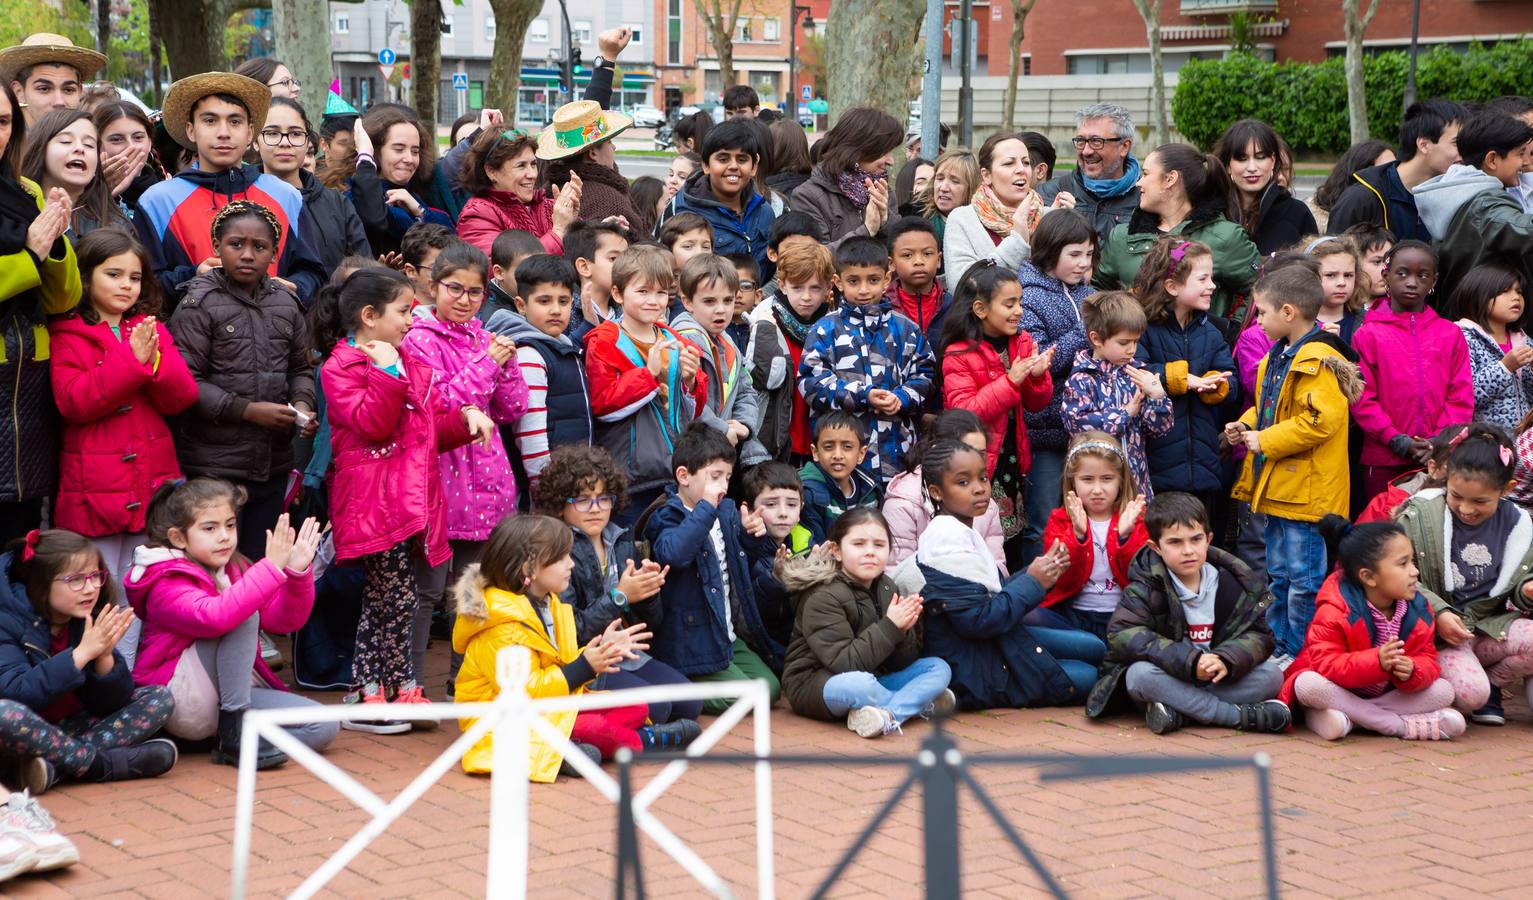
x=1094, y=400
x=857, y=349
x=1051, y=315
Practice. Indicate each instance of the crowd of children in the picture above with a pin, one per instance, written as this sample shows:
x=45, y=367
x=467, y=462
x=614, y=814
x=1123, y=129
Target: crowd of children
x=735, y=447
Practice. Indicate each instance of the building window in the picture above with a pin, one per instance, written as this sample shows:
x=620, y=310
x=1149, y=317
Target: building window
x=673, y=31
x=580, y=32
x=636, y=33
x=489, y=28
x=770, y=30
x=742, y=30
x=342, y=23
x=537, y=31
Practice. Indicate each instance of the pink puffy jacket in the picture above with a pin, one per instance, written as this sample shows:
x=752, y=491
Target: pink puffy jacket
x=484, y=218
x=479, y=484
x=385, y=434
x=908, y=512
x=1416, y=379
x=180, y=604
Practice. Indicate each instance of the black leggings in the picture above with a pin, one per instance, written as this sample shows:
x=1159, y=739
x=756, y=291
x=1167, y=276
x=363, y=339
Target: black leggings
x=654, y=672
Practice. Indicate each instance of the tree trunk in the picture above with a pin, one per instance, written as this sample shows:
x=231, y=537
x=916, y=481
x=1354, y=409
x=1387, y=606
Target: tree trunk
x=156, y=58
x=104, y=28
x=425, y=58
x=1019, y=11
x=1357, y=94
x=302, y=30
x=511, y=20
x=873, y=53
x=719, y=17
x=1160, y=132
x=192, y=32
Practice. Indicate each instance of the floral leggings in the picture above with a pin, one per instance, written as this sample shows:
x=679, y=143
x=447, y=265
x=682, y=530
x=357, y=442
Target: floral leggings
x=71, y=744
x=1474, y=666
x=382, y=658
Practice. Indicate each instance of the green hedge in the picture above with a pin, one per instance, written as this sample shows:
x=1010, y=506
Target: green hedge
x=1307, y=102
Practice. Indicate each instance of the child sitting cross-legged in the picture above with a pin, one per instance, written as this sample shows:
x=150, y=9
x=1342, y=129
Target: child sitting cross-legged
x=1370, y=657
x=856, y=648
x=712, y=629
x=908, y=505
x=1189, y=640
x=512, y=597
x=583, y=488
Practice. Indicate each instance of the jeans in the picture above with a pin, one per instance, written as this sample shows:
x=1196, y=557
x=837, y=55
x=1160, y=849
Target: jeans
x=1064, y=616
x=1296, y=565
x=1042, y=498
x=1078, y=653
x=1203, y=701
x=905, y=694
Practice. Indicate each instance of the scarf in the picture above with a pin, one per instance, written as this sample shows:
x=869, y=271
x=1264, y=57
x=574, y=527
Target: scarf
x=853, y=185
x=1114, y=187
x=996, y=216
x=795, y=328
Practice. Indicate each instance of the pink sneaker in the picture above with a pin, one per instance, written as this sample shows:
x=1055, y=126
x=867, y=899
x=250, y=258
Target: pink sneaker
x=1442, y=725
x=417, y=694
x=375, y=726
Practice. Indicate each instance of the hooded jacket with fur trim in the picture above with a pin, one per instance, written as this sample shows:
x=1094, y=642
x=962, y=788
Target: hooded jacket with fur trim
x=1429, y=524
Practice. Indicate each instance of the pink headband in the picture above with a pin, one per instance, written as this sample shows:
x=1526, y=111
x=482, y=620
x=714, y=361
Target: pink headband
x=1177, y=253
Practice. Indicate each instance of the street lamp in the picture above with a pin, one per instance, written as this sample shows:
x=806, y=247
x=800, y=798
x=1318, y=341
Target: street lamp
x=793, y=54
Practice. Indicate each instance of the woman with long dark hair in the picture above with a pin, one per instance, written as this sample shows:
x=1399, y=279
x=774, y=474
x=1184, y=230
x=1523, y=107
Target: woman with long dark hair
x=389, y=190
x=1255, y=157
x=62, y=153
x=848, y=192
x=331, y=225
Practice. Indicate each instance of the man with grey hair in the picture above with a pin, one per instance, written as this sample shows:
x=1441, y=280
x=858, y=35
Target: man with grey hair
x=1106, y=172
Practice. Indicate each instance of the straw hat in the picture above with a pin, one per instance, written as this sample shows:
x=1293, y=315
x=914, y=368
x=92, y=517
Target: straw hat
x=579, y=125
x=184, y=94
x=45, y=47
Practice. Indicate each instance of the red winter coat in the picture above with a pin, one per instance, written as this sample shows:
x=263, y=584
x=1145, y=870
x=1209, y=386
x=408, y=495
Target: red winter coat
x=1340, y=647
x=974, y=379
x=385, y=434
x=116, y=448
x=484, y=218
x=1083, y=554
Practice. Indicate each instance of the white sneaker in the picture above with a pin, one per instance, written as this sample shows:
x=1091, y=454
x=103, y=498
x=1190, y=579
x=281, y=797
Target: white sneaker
x=16, y=854
x=270, y=653
x=25, y=818
x=870, y=721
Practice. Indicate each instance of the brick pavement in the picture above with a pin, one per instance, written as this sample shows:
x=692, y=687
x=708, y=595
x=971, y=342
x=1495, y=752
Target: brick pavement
x=1368, y=815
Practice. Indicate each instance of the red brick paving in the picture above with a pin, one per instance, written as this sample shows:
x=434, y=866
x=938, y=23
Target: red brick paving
x=1368, y=815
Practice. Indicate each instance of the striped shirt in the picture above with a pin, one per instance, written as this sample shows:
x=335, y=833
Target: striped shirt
x=1385, y=629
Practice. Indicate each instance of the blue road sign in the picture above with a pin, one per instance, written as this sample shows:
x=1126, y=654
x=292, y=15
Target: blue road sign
x=806, y=92
x=386, y=57
x=460, y=81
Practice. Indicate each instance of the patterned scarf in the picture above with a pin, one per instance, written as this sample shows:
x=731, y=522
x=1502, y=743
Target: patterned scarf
x=996, y=216
x=854, y=186
x=795, y=328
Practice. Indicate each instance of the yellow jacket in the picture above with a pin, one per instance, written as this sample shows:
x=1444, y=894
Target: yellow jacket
x=1305, y=475
x=490, y=619
x=57, y=276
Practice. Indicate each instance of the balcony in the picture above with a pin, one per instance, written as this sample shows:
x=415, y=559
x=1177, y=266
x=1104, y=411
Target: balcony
x=1224, y=7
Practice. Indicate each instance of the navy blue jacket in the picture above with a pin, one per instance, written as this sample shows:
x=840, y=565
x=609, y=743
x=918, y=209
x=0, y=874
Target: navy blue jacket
x=594, y=605
x=1051, y=316
x=824, y=503
x=747, y=232
x=995, y=660
x=1377, y=196
x=29, y=671
x=1187, y=457
x=692, y=636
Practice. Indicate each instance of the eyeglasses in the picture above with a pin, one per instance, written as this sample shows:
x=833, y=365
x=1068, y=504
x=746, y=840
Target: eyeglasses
x=290, y=83
x=455, y=290
x=1095, y=141
x=82, y=581
x=588, y=504
x=271, y=137
x=747, y=285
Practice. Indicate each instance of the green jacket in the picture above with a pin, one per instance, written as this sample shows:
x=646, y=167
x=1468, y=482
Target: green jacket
x=1149, y=626
x=1490, y=226
x=1427, y=523
x=1235, y=257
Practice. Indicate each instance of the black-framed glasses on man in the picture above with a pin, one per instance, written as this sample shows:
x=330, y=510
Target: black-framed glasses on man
x=290, y=83
x=271, y=137
x=1095, y=141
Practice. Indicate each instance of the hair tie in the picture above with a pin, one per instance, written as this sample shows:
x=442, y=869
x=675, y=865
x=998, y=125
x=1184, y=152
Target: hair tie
x=1177, y=253
x=1459, y=439
x=1506, y=455
x=29, y=549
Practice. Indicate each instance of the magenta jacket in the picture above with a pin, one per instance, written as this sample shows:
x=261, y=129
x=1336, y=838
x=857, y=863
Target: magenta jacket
x=1416, y=379
x=484, y=218
x=385, y=433
x=180, y=603
x=478, y=482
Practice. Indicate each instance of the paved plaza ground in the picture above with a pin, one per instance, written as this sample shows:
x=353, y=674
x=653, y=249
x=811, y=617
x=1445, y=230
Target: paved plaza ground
x=1364, y=816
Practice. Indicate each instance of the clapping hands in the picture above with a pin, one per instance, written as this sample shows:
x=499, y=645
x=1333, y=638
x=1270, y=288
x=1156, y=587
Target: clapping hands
x=293, y=550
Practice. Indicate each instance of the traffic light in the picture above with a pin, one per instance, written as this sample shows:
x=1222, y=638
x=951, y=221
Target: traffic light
x=575, y=66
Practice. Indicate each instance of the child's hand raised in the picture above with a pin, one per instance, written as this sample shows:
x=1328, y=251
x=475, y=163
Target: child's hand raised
x=279, y=542
x=1232, y=434
x=1518, y=357
x=885, y=403
x=658, y=358
x=1077, y=511
x=501, y=349
x=305, y=545
x=642, y=583
x=1147, y=381
x=1133, y=405
x=380, y=352
x=752, y=522
x=102, y=632
x=690, y=360
x=145, y=340
x=1132, y=510
x=1253, y=440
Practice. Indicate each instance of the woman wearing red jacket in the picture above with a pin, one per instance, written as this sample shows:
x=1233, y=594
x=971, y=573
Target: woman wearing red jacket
x=991, y=368
x=1370, y=658
x=116, y=376
x=501, y=173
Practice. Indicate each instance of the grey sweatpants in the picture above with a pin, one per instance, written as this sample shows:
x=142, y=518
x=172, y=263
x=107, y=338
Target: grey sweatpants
x=1210, y=704
x=228, y=661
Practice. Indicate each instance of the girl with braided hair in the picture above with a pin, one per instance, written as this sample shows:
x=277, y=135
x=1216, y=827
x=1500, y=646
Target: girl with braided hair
x=243, y=335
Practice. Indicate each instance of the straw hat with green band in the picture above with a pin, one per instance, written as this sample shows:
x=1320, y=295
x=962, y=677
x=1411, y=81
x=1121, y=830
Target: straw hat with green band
x=45, y=48
x=184, y=94
x=578, y=126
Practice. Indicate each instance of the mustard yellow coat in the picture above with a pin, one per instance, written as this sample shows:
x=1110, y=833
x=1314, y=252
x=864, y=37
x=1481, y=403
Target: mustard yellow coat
x=490, y=619
x=1305, y=474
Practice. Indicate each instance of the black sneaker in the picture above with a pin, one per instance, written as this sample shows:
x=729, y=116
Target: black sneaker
x=146, y=760
x=1266, y=717
x=670, y=737
x=1491, y=713
x=1162, y=719
x=589, y=750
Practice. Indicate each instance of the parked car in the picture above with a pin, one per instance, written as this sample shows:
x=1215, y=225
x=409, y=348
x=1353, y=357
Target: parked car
x=647, y=117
